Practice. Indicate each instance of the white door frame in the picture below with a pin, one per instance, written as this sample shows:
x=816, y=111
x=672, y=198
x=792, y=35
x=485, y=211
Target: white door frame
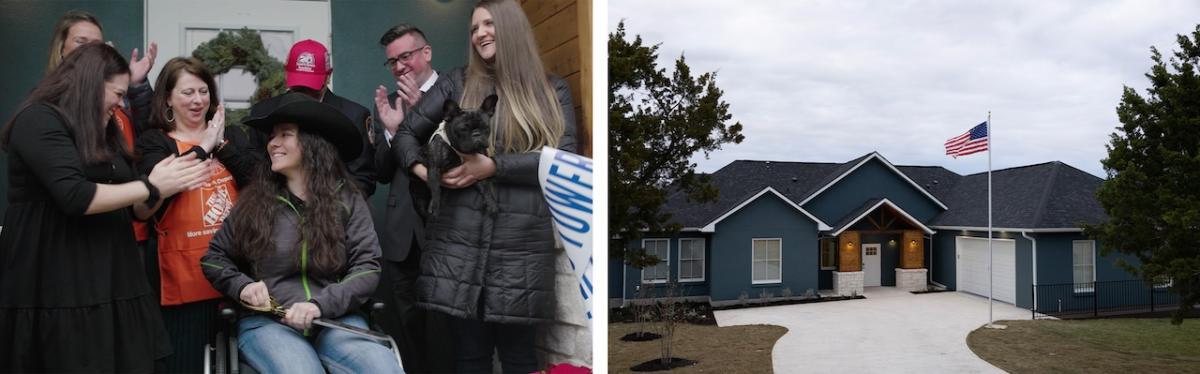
x=872, y=278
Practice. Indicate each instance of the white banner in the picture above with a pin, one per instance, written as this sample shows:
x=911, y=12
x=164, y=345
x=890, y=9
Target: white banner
x=566, y=180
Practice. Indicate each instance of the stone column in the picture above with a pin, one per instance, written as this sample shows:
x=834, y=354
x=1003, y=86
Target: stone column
x=848, y=283
x=911, y=279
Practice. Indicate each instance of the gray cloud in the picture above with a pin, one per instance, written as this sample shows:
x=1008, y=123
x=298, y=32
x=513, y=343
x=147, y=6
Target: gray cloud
x=833, y=80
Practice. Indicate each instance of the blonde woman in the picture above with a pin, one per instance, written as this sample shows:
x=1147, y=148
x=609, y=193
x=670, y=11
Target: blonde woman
x=494, y=274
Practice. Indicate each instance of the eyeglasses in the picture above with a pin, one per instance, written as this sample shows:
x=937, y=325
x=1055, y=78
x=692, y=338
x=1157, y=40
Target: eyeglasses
x=403, y=57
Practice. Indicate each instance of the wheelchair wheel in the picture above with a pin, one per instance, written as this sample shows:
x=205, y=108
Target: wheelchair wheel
x=221, y=366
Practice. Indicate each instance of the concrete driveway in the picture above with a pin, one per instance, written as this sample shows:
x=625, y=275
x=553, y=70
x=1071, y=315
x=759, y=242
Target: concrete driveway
x=890, y=331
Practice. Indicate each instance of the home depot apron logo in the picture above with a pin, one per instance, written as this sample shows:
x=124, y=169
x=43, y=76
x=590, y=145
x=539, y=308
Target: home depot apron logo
x=184, y=231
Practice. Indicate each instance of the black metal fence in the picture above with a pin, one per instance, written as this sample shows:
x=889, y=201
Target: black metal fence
x=1095, y=299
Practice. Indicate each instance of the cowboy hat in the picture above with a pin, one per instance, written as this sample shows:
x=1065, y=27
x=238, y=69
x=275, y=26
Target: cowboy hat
x=311, y=116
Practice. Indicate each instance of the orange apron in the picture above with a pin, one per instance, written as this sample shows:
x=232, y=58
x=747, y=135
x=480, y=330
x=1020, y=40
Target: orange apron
x=141, y=230
x=184, y=231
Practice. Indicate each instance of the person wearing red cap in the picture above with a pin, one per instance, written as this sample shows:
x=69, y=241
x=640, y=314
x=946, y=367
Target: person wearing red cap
x=309, y=67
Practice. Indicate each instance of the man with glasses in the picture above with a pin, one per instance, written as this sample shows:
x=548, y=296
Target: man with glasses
x=421, y=335
x=309, y=67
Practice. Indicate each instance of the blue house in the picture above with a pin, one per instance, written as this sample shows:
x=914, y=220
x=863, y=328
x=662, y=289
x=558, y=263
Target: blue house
x=795, y=228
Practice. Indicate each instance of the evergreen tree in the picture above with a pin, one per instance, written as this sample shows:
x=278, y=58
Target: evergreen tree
x=656, y=123
x=1152, y=194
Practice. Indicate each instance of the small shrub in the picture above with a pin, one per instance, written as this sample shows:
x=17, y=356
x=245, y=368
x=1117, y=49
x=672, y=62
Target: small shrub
x=787, y=293
x=808, y=294
x=765, y=294
x=744, y=298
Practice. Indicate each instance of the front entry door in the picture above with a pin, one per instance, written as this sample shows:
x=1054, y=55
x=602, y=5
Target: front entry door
x=870, y=256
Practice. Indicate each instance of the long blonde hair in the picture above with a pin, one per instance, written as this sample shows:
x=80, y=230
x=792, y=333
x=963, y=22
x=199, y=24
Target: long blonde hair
x=528, y=115
x=60, y=35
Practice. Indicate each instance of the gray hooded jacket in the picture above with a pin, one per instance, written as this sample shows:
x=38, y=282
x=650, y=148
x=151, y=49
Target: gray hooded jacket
x=288, y=280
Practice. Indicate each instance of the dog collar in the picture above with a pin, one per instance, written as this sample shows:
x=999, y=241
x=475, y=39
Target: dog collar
x=441, y=130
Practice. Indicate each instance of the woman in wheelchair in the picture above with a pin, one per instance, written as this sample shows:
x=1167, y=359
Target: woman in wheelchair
x=303, y=237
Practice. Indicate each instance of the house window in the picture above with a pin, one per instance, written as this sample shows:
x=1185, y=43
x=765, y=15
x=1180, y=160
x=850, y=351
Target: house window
x=691, y=260
x=1083, y=261
x=1163, y=281
x=767, y=264
x=660, y=248
x=828, y=254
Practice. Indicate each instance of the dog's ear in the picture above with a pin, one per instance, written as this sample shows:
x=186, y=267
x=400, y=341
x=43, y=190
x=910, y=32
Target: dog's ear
x=451, y=109
x=489, y=104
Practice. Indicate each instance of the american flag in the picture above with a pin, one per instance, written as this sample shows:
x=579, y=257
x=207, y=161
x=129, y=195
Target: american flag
x=973, y=141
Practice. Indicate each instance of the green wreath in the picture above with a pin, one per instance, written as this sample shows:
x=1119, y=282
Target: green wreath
x=243, y=48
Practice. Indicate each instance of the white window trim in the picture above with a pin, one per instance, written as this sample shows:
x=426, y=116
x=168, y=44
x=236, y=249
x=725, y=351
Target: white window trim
x=1078, y=289
x=665, y=261
x=766, y=281
x=821, y=254
x=1163, y=281
x=703, y=261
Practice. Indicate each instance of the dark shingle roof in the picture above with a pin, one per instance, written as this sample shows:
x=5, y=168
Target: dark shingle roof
x=741, y=179
x=1048, y=195
x=1041, y=196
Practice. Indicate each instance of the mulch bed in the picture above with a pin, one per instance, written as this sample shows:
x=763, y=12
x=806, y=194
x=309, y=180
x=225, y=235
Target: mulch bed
x=818, y=299
x=657, y=365
x=643, y=337
x=696, y=313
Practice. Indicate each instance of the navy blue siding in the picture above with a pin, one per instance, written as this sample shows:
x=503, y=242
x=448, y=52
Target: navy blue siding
x=766, y=217
x=616, y=267
x=871, y=180
x=633, y=276
x=942, y=260
x=1055, y=267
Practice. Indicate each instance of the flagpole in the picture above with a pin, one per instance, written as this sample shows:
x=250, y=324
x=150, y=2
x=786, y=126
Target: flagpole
x=990, y=272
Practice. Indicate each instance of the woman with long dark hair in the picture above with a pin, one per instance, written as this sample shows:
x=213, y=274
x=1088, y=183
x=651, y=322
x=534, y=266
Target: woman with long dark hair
x=493, y=273
x=74, y=297
x=302, y=236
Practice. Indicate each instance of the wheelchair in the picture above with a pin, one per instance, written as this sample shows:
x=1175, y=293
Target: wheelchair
x=221, y=356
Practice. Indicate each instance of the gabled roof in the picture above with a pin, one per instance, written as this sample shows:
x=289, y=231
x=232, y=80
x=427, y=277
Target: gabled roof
x=740, y=181
x=859, y=162
x=712, y=226
x=1047, y=197
x=1050, y=196
x=870, y=206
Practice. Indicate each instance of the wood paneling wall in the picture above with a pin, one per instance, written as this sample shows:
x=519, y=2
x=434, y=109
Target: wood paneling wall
x=912, y=254
x=563, y=30
x=850, y=252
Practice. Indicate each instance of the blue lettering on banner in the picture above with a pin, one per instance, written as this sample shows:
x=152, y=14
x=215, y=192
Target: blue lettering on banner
x=565, y=179
x=573, y=159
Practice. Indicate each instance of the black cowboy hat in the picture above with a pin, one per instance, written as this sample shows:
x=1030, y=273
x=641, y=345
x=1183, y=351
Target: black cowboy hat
x=311, y=116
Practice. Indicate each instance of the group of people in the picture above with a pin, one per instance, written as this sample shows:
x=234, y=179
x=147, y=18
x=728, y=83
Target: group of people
x=135, y=210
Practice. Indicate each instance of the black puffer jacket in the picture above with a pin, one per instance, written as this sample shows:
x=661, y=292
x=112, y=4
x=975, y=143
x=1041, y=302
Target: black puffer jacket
x=498, y=268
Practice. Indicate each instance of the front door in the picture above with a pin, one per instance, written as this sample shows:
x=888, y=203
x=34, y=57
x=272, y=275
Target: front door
x=870, y=258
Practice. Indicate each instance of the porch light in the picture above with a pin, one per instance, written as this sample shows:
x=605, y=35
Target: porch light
x=849, y=245
x=892, y=243
x=912, y=244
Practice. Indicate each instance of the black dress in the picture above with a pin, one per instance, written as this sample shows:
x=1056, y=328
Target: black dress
x=73, y=296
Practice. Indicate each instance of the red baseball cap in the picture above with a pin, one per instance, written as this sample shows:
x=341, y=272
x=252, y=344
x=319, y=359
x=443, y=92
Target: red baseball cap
x=308, y=64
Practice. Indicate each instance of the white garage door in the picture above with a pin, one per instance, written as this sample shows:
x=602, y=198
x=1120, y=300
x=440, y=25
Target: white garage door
x=972, y=267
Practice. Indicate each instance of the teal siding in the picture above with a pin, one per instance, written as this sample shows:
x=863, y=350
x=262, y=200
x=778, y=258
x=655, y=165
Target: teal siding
x=25, y=28
x=871, y=180
x=767, y=217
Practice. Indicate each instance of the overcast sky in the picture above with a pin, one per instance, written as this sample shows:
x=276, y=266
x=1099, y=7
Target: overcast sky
x=830, y=81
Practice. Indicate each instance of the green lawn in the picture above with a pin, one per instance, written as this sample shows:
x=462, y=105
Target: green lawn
x=1102, y=345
